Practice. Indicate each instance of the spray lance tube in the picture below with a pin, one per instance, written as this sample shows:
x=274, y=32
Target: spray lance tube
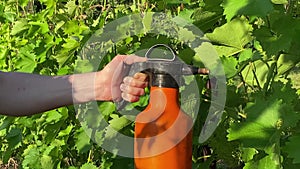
x=163, y=132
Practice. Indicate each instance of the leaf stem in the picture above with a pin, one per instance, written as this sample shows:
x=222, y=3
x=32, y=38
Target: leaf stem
x=255, y=76
x=271, y=74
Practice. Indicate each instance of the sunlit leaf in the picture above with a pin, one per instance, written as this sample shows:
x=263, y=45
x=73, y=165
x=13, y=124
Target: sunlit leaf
x=246, y=7
x=19, y=26
x=88, y=166
x=231, y=37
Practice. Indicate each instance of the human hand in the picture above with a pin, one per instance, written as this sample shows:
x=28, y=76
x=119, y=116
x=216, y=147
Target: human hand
x=129, y=88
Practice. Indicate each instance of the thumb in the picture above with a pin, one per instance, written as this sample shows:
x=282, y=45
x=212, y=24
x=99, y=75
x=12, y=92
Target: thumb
x=130, y=59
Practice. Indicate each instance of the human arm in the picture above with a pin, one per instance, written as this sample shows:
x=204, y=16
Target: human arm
x=26, y=94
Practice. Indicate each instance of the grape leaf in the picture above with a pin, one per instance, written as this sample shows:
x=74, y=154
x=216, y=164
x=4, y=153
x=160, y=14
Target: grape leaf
x=14, y=139
x=43, y=26
x=245, y=55
x=266, y=118
x=46, y=162
x=84, y=66
x=257, y=69
x=231, y=37
x=291, y=149
x=107, y=108
x=71, y=6
x=270, y=161
x=65, y=132
x=185, y=35
x=248, y=154
x=26, y=59
x=88, y=166
x=82, y=141
x=272, y=44
x=119, y=123
x=186, y=14
x=246, y=7
x=19, y=26
x=280, y=1
x=206, y=17
x=288, y=61
x=278, y=37
x=6, y=122
x=229, y=64
x=31, y=154
x=53, y=116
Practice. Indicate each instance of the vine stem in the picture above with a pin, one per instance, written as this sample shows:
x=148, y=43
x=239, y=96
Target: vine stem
x=89, y=160
x=255, y=76
x=271, y=74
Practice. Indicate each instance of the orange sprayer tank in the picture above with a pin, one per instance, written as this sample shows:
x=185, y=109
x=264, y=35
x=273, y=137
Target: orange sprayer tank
x=163, y=132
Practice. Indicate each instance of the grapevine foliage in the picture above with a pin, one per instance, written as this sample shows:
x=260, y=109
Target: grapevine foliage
x=257, y=42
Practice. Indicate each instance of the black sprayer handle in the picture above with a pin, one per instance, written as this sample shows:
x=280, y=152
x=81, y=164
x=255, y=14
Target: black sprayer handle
x=120, y=104
x=129, y=70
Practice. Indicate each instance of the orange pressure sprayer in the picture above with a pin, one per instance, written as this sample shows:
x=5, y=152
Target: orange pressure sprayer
x=163, y=132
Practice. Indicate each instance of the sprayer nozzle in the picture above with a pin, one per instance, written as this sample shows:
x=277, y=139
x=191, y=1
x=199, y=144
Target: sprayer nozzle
x=203, y=71
x=189, y=70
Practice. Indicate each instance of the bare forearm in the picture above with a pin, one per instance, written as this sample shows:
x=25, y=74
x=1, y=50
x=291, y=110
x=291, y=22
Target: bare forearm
x=25, y=94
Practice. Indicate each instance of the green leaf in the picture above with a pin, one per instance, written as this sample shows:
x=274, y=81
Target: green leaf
x=255, y=73
x=119, y=123
x=6, y=122
x=186, y=14
x=14, y=137
x=26, y=59
x=71, y=5
x=206, y=17
x=31, y=157
x=230, y=66
x=82, y=142
x=272, y=44
x=88, y=166
x=266, y=117
x=43, y=26
x=53, y=116
x=270, y=161
x=280, y=1
x=46, y=162
x=291, y=149
x=19, y=26
x=71, y=27
x=49, y=3
x=246, y=7
x=107, y=108
x=69, y=47
x=248, y=154
x=84, y=66
x=231, y=37
x=185, y=35
x=278, y=37
x=260, y=125
x=66, y=131
x=245, y=55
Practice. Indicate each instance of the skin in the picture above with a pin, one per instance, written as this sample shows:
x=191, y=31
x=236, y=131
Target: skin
x=25, y=94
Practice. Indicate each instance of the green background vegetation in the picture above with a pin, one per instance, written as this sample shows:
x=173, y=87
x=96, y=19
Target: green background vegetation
x=257, y=41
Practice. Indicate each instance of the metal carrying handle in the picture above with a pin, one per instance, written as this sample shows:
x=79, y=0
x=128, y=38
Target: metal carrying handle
x=160, y=59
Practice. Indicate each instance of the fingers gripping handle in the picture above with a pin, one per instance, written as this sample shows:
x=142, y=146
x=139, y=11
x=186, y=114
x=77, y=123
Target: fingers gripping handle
x=129, y=70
